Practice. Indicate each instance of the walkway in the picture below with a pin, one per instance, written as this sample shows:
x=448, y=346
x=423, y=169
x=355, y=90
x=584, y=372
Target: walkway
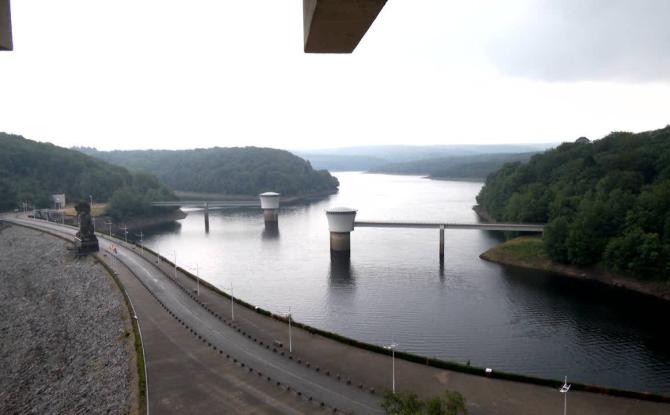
x=184, y=371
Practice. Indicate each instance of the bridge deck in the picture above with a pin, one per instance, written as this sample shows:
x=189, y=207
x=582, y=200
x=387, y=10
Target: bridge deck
x=517, y=227
x=212, y=204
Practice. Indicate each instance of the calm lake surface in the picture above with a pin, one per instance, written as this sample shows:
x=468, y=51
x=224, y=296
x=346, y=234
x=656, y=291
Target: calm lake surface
x=508, y=319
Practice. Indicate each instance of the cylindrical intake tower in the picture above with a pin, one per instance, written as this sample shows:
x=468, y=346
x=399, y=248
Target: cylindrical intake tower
x=270, y=206
x=340, y=225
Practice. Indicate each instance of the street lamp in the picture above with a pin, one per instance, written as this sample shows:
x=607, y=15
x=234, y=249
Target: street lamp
x=232, y=302
x=564, y=390
x=109, y=224
x=392, y=347
x=197, y=279
x=141, y=235
x=125, y=233
x=175, y=264
x=290, y=338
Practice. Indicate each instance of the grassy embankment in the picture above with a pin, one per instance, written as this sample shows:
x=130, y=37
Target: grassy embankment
x=529, y=252
x=98, y=209
x=524, y=251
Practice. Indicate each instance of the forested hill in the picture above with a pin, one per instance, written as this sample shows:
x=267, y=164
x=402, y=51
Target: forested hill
x=234, y=171
x=31, y=171
x=455, y=167
x=606, y=201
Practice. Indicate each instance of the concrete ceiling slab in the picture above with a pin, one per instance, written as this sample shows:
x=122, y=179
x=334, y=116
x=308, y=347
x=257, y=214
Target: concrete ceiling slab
x=337, y=26
x=5, y=26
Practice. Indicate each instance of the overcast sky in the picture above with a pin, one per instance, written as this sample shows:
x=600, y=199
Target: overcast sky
x=127, y=74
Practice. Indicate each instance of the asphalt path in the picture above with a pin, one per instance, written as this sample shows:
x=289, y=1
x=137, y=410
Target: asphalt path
x=245, y=351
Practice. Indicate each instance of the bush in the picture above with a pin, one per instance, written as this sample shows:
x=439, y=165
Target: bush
x=408, y=403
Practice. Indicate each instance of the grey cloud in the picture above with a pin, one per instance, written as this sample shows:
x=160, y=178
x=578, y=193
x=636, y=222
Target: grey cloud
x=572, y=40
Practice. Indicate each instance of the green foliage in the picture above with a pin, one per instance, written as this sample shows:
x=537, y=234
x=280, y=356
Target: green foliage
x=135, y=200
x=637, y=252
x=31, y=172
x=234, y=171
x=407, y=403
x=606, y=201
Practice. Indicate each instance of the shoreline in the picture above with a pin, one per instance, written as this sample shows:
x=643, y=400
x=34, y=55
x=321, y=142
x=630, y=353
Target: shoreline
x=503, y=255
x=654, y=289
x=182, y=195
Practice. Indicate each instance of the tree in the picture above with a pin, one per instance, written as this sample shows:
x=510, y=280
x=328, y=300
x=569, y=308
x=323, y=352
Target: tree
x=408, y=403
x=605, y=202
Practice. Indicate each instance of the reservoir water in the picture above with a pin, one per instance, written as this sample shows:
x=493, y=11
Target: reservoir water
x=393, y=290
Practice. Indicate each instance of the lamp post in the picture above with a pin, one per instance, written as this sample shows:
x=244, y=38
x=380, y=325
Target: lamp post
x=125, y=233
x=175, y=264
x=109, y=224
x=232, y=302
x=197, y=280
x=290, y=338
x=141, y=235
x=392, y=347
x=564, y=390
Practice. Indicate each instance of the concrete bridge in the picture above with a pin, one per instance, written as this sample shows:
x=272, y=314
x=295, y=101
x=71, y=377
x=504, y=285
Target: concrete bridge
x=268, y=201
x=341, y=222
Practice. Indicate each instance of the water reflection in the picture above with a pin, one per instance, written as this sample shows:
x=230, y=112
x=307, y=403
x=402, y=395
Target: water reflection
x=393, y=286
x=341, y=271
x=271, y=231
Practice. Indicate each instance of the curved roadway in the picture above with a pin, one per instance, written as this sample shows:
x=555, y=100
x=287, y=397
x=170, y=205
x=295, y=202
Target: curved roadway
x=248, y=353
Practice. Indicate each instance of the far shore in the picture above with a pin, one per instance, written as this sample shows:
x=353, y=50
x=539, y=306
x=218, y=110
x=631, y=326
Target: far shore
x=528, y=252
x=429, y=177
x=288, y=200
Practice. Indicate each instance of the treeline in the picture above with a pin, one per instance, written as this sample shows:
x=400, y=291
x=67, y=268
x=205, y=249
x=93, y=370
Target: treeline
x=31, y=172
x=455, y=167
x=233, y=171
x=606, y=202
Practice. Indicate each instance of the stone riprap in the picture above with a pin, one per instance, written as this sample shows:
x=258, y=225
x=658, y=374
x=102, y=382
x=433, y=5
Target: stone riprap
x=66, y=339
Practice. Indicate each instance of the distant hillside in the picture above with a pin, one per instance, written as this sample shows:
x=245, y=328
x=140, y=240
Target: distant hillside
x=342, y=163
x=454, y=167
x=31, y=171
x=366, y=158
x=606, y=202
x=234, y=171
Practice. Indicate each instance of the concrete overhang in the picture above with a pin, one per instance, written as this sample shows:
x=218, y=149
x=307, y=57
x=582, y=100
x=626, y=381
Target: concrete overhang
x=336, y=26
x=5, y=26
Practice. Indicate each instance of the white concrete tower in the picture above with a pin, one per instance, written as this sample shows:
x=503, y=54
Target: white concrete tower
x=270, y=206
x=340, y=225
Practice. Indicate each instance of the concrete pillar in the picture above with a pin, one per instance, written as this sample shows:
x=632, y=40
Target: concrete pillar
x=340, y=225
x=270, y=206
x=441, y=244
x=206, y=217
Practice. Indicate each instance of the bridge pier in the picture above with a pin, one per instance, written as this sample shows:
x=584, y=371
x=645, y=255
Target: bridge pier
x=442, y=245
x=340, y=225
x=270, y=206
x=206, y=217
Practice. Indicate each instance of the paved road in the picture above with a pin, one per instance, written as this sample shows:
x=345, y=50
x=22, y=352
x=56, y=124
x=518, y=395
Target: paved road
x=245, y=351
x=210, y=381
